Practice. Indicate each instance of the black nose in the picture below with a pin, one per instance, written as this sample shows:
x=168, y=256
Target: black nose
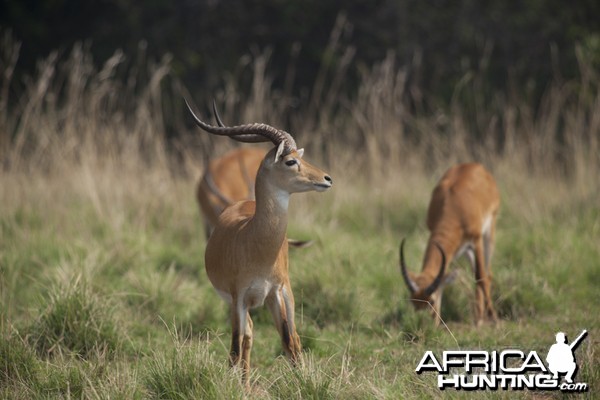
x=328, y=179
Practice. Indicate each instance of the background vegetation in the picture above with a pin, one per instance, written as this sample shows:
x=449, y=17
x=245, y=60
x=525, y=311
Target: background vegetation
x=516, y=48
x=102, y=288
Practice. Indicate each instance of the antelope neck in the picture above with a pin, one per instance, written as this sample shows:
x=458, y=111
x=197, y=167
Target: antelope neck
x=433, y=257
x=270, y=218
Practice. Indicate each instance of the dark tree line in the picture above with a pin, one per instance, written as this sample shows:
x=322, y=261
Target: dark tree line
x=512, y=44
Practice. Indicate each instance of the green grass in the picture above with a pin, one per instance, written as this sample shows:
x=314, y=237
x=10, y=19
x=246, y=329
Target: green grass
x=126, y=311
x=74, y=320
x=190, y=371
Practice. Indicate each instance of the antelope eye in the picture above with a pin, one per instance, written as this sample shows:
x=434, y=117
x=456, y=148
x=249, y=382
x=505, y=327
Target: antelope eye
x=291, y=162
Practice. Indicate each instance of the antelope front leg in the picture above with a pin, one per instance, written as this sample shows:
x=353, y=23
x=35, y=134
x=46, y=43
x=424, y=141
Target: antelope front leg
x=281, y=306
x=295, y=347
x=246, y=350
x=241, y=339
x=236, y=337
x=484, y=303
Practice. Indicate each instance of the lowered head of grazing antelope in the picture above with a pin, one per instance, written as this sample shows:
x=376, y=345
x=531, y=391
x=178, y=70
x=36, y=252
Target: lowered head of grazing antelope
x=426, y=288
x=246, y=256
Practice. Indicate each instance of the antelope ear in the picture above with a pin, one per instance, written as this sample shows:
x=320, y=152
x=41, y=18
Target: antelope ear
x=300, y=152
x=279, y=151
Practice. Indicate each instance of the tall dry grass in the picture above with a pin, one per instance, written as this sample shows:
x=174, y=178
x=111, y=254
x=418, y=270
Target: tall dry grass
x=70, y=114
x=73, y=131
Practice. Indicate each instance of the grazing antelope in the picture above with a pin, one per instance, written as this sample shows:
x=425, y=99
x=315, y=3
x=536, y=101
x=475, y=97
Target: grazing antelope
x=229, y=179
x=461, y=218
x=246, y=256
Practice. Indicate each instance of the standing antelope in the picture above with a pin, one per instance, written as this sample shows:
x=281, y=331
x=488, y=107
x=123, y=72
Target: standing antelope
x=461, y=218
x=246, y=256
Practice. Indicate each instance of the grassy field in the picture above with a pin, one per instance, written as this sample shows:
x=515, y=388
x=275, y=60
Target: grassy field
x=102, y=285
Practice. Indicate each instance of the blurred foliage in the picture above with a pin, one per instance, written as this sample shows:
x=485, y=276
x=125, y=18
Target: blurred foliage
x=516, y=48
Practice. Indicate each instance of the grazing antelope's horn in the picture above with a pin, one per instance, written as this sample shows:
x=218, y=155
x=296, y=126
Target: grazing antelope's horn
x=412, y=286
x=249, y=133
x=440, y=276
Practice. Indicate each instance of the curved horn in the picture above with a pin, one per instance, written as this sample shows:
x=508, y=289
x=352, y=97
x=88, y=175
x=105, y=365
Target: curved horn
x=440, y=276
x=412, y=286
x=249, y=133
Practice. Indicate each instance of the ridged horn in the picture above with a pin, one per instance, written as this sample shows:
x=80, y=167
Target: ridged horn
x=248, y=133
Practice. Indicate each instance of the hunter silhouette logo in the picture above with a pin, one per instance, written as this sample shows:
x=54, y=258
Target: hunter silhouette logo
x=561, y=358
x=508, y=369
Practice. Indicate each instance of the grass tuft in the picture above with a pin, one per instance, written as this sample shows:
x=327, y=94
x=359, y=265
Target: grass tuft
x=317, y=380
x=75, y=320
x=191, y=372
x=65, y=381
x=17, y=361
